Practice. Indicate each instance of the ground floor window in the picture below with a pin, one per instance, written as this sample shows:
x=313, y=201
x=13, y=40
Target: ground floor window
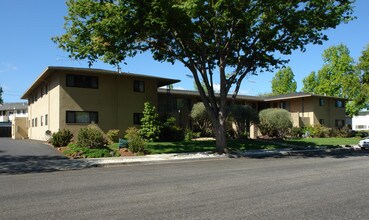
x=360, y=127
x=340, y=123
x=84, y=117
x=321, y=121
x=137, y=118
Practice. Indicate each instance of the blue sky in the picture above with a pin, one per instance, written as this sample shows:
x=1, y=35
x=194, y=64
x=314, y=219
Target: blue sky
x=26, y=49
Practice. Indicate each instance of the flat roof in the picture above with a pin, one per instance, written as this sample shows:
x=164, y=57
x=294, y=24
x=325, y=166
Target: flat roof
x=297, y=95
x=13, y=106
x=52, y=69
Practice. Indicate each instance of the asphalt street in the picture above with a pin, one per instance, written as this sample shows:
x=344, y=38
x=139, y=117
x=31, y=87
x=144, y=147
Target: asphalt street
x=316, y=187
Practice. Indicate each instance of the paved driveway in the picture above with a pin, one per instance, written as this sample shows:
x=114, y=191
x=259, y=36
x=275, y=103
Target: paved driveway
x=29, y=156
x=10, y=149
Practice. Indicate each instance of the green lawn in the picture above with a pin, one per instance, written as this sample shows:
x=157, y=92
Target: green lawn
x=243, y=145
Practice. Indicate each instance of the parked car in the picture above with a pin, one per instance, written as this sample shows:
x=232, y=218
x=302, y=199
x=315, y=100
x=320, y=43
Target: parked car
x=364, y=143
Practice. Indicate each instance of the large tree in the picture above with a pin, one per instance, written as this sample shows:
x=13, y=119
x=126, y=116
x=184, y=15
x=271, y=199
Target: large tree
x=363, y=66
x=284, y=82
x=209, y=37
x=338, y=77
x=1, y=95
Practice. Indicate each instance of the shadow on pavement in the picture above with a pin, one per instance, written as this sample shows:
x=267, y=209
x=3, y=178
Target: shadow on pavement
x=38, y=164
x=339, y=154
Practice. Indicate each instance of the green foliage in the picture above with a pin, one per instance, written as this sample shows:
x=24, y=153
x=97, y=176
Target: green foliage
x=208, y=37
x=150, y=124
x=113, y=135
x=171, y=132
x=201, y=119
x=241, y=116
x=189, y=135
x=75, y=151
x=136, y=144
x=362, y=99
x=91, y=137
x=1, y=95
x=61, y=138
x=297, y=132
x=318, y=131
x=283, y=82
x=275, y=122
x=338, y=77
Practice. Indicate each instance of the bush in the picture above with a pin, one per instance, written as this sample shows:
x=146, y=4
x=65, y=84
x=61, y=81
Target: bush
x=76, y=151
x=91, y=137
x=61, y=138
x=275, y=122
x=319, y=131
x=297, y=132
x=170, y=132
x=113, y=135
x=241, y=116
x=189, y=135
x=201, y=119
x=136, y=144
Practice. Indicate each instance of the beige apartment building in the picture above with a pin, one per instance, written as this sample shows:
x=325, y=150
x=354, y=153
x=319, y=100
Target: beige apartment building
x=72, y=98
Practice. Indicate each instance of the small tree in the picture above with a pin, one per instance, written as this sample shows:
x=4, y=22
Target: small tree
x=91, y=137
x=136, y=144
x=275, y=122
x=201, y=118
x=150, y=124
x=283, y=82
x=241, y=116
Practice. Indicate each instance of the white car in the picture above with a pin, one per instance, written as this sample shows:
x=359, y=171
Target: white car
x=364, y=143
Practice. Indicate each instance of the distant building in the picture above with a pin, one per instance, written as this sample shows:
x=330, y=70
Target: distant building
x=9, y=112
x=360, y=122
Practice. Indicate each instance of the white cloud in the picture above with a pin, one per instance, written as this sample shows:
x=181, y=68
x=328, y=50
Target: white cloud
x=216, y=87
x=7, y=67
x=179, y=88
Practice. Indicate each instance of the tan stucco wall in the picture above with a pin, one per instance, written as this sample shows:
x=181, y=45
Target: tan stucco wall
x=329, y=112
x=114, y=100
x=48, y=105
x=19, y=128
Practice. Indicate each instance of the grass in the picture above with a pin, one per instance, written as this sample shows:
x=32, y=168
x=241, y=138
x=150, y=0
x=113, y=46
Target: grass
x=243, y=145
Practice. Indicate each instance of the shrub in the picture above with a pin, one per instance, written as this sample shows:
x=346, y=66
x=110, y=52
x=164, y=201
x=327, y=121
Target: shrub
x=61, y=138
x=113, y=135
x=296, y=132
x=136, y=144
x=201, y=119
x=91, y=137
x=170, y=132
x=275, y=122
x=189, y=135
x=319, y=131
x=150, y=124
x=76, y=151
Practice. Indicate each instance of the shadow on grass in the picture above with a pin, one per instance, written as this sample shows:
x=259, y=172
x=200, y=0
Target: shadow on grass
x=37, y=164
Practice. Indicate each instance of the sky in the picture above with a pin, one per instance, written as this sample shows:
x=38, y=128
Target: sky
x=26, y=49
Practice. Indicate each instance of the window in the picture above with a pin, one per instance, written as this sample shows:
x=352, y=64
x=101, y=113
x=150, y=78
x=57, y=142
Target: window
x=321, y=121
x=321, y=102
x=35, y=122
x=138, y=86
x=42, y=120
x=80, y=81
x=285, y=105
x=46, y=117
x=339, y=104
x=81, y=117
x=340, y=123
x=46, y=89
x=42, y=91
x=360, y=127
x=137, y=118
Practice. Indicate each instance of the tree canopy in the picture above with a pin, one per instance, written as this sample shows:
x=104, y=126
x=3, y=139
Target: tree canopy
x=284, y=82
x=338, y=77
x=208, y=37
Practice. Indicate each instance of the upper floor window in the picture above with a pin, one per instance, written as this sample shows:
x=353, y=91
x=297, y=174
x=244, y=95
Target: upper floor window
x=339, y=104
x=321, y=102
x=83, y=117
x=81, y=81
x=138, y=86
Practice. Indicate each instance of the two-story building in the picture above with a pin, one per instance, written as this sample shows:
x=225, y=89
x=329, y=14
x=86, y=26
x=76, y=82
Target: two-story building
x=9, y=113
x=72, y=98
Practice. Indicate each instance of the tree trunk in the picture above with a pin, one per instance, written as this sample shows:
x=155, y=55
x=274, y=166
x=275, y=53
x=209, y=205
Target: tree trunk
x=220, y=136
